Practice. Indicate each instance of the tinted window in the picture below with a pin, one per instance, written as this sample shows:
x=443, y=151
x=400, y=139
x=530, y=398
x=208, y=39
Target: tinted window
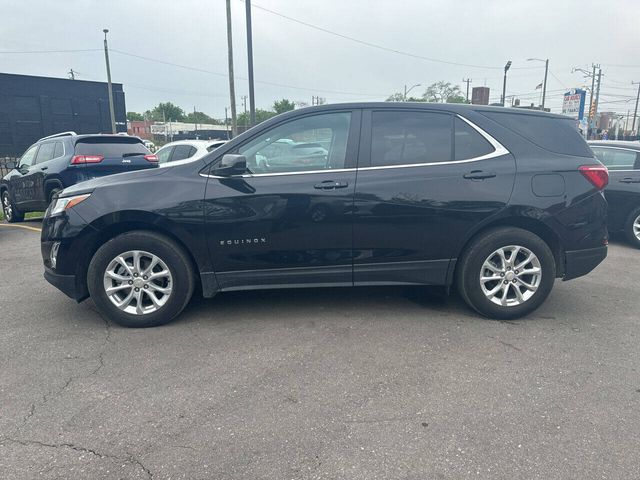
x=45, y=152
x=59, y=150
x=180, y=152
x=468, y=142
x=164, y=154
x=400, y=138
x=324, y=138
x=98, y=146
x=557, y=135
x=616, y=158
x=29, y=157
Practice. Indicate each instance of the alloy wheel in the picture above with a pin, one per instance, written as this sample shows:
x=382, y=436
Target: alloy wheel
x=138, y=282
x=636, y=227
x=6, y=207
x=510, y=276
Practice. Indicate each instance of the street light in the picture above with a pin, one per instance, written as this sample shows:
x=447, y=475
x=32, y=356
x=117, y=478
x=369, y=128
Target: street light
x=504, y=83
x=408, y=90
x=546, y=71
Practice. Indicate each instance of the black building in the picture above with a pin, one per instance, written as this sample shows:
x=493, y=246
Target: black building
x=34, y=107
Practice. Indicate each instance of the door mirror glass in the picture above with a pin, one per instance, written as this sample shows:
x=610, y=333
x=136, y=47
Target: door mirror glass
x=231, y=165
x=11, y=165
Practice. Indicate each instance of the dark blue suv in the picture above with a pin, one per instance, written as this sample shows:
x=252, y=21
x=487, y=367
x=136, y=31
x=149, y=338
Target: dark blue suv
x=59, y=161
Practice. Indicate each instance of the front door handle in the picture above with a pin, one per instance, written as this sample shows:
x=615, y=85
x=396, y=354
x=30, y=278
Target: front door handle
x=330, y=185
x=479, y=175
x=629, y=180
x=43, y=168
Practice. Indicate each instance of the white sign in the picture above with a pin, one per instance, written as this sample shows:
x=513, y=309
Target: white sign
x=572, y=103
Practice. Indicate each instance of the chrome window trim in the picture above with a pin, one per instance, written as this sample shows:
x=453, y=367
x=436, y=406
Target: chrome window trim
x=499, y=151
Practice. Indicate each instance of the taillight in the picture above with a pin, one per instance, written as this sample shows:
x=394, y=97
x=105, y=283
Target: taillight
x=598, y=175
x=82, y=159
x=151, y=158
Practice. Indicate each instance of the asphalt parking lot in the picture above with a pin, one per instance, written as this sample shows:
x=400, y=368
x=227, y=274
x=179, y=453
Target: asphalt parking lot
x=334, y=383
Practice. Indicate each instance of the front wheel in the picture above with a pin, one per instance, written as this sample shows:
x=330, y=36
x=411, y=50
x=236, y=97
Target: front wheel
x=506, y=273
x=140, y=279
x=632, y=228
x=11, y=213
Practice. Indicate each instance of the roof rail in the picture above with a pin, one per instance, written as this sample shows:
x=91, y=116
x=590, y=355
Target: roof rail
x=61, y=134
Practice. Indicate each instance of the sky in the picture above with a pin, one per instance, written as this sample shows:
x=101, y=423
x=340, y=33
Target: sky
x=391, y=44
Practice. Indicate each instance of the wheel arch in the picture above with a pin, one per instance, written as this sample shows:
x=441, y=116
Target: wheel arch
x=50, y=184
x=530, y=224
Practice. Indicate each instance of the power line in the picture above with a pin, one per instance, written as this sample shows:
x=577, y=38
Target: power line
x=50, y=51
x=379, y=47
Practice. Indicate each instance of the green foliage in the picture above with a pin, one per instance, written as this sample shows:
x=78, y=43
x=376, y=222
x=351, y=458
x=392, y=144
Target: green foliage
x=201, y=117
x=281, y=106
x=399, y=97
x=441, y=92
x=171, y=112
x=131, y=116
x=261, y=116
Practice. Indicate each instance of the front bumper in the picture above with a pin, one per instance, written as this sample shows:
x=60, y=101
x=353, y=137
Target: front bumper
x=581, y=262
x=67, y=284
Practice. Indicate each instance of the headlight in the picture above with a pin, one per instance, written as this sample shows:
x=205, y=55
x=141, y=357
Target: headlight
x=62, y=204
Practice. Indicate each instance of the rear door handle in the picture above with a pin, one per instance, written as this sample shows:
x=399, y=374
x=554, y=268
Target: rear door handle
x=479, y=175
x=330, y=185
x=629, y=180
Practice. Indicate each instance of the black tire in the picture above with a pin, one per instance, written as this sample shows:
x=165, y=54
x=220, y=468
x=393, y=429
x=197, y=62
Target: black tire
x=11, y=213
x=173, y=256
x=470, y=268
x=54, y=191
x=628, y=228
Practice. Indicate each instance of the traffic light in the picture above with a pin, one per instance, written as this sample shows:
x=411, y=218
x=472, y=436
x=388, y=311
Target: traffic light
x=592, y=110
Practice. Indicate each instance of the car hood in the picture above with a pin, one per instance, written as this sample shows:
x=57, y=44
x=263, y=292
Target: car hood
x=117, y=179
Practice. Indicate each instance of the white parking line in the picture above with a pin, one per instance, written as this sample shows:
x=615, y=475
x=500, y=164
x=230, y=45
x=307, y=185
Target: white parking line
x=21, y=226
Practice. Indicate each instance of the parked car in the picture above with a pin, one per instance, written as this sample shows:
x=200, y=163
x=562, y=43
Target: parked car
x=183, y=151
x=59, y=161
x=497, y=202
x=623, y=192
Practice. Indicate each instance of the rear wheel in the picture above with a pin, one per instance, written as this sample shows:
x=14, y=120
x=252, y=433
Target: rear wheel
x=140, y=279
x=506, y=273
x=11, y=213
x=54, y=191
x=632, y=228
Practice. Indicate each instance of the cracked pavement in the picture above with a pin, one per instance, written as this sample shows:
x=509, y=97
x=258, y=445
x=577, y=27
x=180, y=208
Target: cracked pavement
x=310, y=384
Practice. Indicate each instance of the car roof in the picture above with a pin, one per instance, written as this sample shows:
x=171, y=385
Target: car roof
x=615, y=143
x=193, y=142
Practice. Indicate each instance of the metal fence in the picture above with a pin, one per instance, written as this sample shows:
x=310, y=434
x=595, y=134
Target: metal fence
x=4, y=161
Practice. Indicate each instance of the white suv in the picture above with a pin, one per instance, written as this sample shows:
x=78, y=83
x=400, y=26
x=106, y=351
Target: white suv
x=183, y=151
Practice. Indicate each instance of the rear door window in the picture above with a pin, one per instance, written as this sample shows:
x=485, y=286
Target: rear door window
x=180, y=152
x=616, y=158
x=164, y=154
x=468, y=142
x=410, y=137
x=59, y=150
x=109, y=149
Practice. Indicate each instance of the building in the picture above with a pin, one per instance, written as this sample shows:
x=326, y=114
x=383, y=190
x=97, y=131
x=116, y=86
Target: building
x=33, y=107
x=140, y=128
x=480, y=95
x=171, y=131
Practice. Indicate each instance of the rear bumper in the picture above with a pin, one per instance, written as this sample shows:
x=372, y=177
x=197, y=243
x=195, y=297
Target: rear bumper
x=67, y=284
x=581, y=262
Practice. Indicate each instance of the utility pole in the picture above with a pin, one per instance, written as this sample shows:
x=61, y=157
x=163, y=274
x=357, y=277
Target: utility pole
x=110, y=88
x=195, y=119
x=592, y=121
x=595, y=110
x=252, y=100
x=467, y=81
x=544, y=87
x=226, y=121
x=244, y=104
x=635, y=112
x=232, y=90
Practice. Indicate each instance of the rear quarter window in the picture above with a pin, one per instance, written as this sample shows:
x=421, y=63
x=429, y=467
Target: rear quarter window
x=557, y=135
x=106, y=148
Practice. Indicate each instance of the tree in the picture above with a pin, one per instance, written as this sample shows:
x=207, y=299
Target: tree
x=201, y=117
x=281, y=106
x=134, y=116
x=261, y=116
x=441, y=92
x=399, y=97
x=166, y=110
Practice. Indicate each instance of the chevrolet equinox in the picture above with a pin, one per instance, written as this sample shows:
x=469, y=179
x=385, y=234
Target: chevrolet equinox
x=493, y=201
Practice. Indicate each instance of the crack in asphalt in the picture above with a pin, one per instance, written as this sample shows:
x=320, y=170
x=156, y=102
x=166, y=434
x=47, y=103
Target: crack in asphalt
x=130, y=458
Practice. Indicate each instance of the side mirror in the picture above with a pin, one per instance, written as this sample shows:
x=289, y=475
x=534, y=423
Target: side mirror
x=231, y=165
